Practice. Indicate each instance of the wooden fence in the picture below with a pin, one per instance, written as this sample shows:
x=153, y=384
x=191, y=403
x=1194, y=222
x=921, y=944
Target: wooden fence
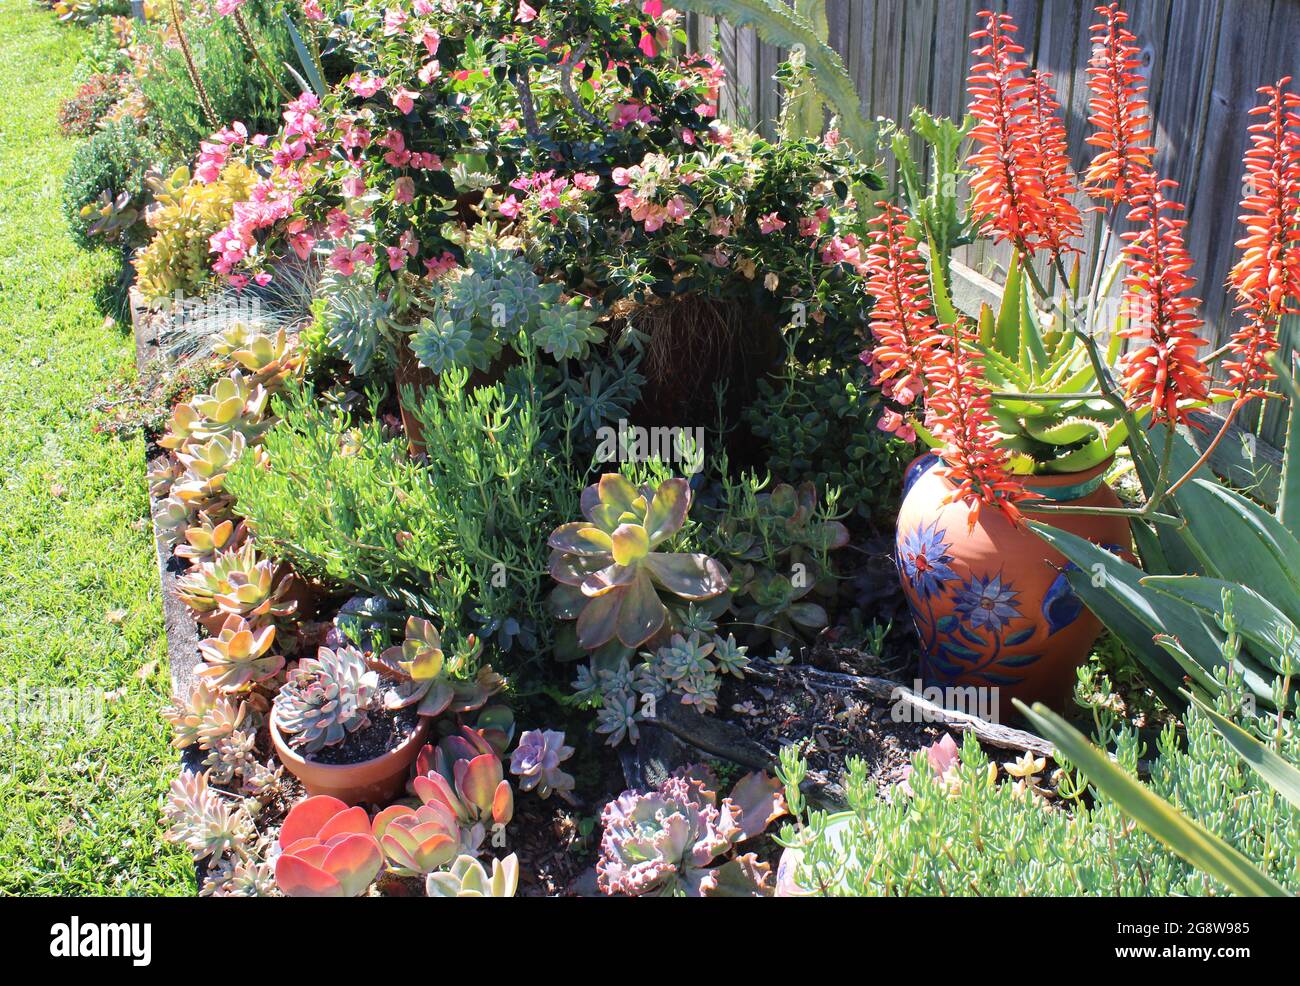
x=1203, y=60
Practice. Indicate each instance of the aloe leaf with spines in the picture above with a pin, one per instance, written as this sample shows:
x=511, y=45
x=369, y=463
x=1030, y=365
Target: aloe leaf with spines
x=1156, y=816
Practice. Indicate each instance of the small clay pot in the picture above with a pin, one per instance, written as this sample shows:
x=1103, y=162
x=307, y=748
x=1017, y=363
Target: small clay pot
x=991, y=603
x=376, y=781
x=409, y=372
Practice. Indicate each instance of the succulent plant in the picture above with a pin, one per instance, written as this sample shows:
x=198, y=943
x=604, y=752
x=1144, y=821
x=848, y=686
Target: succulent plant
x=666, y=842
x=774, y=605
x=444, y=341
x=466, y=877
x=161, y=475
x=685, y=667
x=463, y=774
x=111, y=216
x=236, y=582
x=536, y=762
x=239, y=877
x=269, y=359
x=419, y=840
x=206, y=463
x=172, y=518
x=326, y=850
x=234, y=404
x=201, y=821
x=608, y=570
x=418, y=672
x=205, y=540
x=355, y=315
x=326, y=698
x=180, y=428
x=568, y=330
x=237, y=656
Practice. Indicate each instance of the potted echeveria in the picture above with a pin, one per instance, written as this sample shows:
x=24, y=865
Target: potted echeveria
x=350, y=726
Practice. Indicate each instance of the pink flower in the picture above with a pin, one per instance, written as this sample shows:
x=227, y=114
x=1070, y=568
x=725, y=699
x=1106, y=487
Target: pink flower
x=441, y=266
x=426, y=161
x=525, y=13
x=396, y=257
x=647, y=45
x=770, y=223
x=301, y=241
x=653, y=8
x=625, y=114
x=688, y=136
x=621, y=176
x=394, y=19
x=422, y=8
x=404, y=99
x=896, y=424
x=832, y=138
x=809, y=226
x=678, y=209
x=510, y=207
x=404, y=190
x=585, y=181
x=718, y=258
x=408, y=242
x=429, y=71
x=341, y=260
x=943, y=756
x=720, y=226
x=354, y=186
x=431, y=40
x=227, y=7
x=338, y=223
x=366, y=86
x=312, y=10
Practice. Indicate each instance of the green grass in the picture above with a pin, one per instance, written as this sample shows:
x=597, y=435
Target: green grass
x=79, y=596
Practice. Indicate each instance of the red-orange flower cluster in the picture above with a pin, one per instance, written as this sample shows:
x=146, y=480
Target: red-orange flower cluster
x=1009, y=188
x=1117, y=109
x=1267, y=277
x=1164, y=371
x=901, y=322
x=958, y=413
x=1062, y=221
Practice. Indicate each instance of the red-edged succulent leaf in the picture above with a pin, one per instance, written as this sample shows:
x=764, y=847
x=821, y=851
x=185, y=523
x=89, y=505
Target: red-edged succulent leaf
x=610, y=577
x=641, y=613
x=477, y=780
x=433, y=788
x=437, y=699
x=580, y=538
x=572, y=569
x=385, y=818
x=306, y=819
x=297, y=878
x=759, y=800
x=598, y=620
x=503, y=803
x=354, y=861
x=667, y=511
x=691, y=576
x=351, y=821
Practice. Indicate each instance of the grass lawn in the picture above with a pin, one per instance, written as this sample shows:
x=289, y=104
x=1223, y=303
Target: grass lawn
x=84, y=758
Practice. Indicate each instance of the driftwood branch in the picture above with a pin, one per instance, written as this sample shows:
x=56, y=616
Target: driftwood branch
x=991, y=733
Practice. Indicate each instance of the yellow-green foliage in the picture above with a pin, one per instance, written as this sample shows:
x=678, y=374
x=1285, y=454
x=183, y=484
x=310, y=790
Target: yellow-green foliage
x=187, y=214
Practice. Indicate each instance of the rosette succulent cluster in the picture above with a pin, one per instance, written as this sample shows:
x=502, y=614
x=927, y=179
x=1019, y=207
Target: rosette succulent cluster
x=269, y=358
x=237, y=582
x=238, y=656
x=609, y=572
x=467, y=877
x=461, y=784
x=418, y=671
x=327, y=698
x=692, y=667
x=671, y=841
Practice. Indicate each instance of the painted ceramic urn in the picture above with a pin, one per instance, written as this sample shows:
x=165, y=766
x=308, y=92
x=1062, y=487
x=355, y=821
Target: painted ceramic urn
x=991, y=603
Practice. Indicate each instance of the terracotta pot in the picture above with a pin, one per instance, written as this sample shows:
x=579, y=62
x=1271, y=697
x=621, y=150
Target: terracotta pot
x=991, y=604
x=409, y=372
x=376, y=781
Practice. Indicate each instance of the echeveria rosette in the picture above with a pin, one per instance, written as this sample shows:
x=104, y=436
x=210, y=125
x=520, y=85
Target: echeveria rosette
x=536, y=762
x=665, y=842
x=467, y=877
x=610, y=562
x=419, y=671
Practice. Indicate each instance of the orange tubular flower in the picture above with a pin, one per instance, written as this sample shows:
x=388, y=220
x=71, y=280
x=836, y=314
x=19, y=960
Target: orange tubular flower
x=1062, y=221
x=1117, y=109
x=1268, y=273
x=957, y=407
x=901, y=323
x=1164, y=372
x=1008, y=194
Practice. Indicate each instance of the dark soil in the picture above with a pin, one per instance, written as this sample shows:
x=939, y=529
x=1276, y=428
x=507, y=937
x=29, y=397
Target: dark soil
x=387, y=731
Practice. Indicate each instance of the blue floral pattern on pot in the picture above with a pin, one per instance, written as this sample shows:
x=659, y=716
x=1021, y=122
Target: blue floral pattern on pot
x=980, y=622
